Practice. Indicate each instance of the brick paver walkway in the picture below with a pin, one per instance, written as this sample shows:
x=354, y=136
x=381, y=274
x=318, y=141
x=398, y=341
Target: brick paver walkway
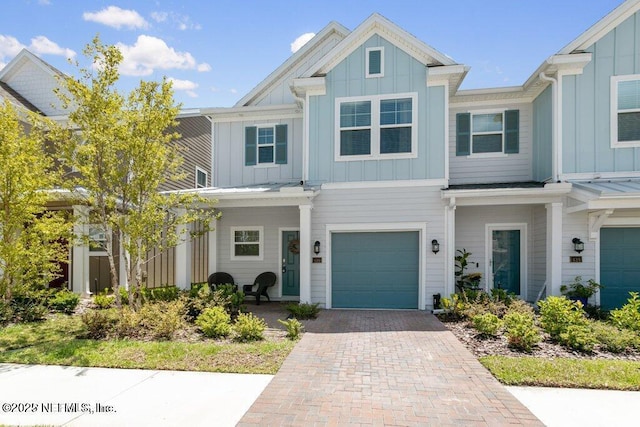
x=383, y=368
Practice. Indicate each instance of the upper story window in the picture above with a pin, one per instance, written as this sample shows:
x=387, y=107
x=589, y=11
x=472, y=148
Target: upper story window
x=201, y=178
x=378, y=127
x=375, y=62
x=265, y=145
x=487, y=133
x=246, y=243
x=625, y=111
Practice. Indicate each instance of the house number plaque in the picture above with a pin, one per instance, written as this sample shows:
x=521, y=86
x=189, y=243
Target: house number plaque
x=575, y=259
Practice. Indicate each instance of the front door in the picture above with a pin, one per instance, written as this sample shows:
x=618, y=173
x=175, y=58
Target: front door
x=506, y=259
x=290, y=263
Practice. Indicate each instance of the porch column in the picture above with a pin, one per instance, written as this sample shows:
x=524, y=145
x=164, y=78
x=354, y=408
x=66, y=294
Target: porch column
x=80, y=257
x=182, y=269
x=554, y=248
x=305, y=253
x=450, y=250
x=212, y=237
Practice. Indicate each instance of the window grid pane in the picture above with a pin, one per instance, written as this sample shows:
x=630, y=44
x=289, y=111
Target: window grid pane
x=245, y=236
x=396, y=111
x=487, y=143
x=629, y=126
x=265, y=154
x=355, y=114
x=487, y=122
x=265, y=136
x=355, y=142
x=202, y=178
x=395, y=140
x=629, y=95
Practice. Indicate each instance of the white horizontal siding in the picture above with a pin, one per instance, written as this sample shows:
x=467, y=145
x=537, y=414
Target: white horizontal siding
x=509, y=168
x=577, y=225
x=381, y=206
x=230, y=170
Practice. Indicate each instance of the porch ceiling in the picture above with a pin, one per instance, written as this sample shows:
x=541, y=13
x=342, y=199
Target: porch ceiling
x=523, y=193
x=268, y=194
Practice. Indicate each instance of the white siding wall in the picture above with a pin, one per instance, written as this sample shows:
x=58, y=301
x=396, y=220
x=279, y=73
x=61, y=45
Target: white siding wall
x=509, y=168
x=577, y=225
x=381, y=205
x=229, y=169
x=539, y=254
x=36, y=85
x=244, y=272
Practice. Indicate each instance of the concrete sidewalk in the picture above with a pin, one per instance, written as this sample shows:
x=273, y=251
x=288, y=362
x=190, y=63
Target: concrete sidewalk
x=72, y=396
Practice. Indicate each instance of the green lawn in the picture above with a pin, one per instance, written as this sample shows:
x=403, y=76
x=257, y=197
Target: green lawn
x=574, y=373
x=54, y=342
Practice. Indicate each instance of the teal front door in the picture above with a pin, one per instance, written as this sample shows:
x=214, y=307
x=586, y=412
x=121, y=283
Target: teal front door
x=506, y=260
x=619, y=265
x=290, y=263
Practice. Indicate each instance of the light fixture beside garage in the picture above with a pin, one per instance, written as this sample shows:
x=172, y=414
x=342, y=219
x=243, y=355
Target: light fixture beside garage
x=316, y=247
x=578, y=245
x=435, y=246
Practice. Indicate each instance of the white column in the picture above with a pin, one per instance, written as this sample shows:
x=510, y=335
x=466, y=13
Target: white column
x=554, y=248
x=80, y=258
x=183, y=257
x=305, y=253
x=213, y=249
x=450, y=250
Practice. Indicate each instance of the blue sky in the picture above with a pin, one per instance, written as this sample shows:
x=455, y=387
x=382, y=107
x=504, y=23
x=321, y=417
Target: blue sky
x=218, y=50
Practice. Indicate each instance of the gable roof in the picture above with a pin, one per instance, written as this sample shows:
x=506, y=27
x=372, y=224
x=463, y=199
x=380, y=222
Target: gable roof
x=378, y=24
x=6, y=92
x=25, y=55
x=333, y=29
x=602, y=27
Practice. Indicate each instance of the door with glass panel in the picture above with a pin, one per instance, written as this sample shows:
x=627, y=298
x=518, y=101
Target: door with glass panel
x=506, y=247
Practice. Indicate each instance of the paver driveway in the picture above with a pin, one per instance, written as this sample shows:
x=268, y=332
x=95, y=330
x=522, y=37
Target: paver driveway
x=383, y=368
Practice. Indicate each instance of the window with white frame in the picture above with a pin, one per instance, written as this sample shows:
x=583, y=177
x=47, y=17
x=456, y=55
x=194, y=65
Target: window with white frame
x=201, y=178
x=379, y=127
x=97, y=239
x=246, y=243
x=265, y=145
x=625, y=111
x=488, y=133
x=374, y=62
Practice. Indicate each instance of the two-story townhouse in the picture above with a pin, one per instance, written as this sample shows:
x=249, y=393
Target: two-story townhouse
x=358, y=169
x=29, y=82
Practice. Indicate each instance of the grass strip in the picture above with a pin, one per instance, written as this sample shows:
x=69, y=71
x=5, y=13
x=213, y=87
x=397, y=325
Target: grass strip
x=570, y=373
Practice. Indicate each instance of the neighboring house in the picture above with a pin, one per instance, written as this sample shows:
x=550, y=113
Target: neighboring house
x=29, y=82
x=343, y=166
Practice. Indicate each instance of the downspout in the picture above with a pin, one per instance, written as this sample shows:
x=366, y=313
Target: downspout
x=556, y=127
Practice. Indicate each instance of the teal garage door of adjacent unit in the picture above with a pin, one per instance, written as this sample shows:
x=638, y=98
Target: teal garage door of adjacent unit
x=619, y=265
x=375, y=270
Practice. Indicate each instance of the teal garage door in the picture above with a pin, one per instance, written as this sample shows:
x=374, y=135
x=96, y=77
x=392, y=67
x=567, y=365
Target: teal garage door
x=619, y=265
x=375, y=270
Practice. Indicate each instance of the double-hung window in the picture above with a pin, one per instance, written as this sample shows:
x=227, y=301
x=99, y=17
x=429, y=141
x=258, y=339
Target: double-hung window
x=201, y=178
x=265, y=145
x=246, y=243
x=378, y=127
x=625, y=111
x=487, y=133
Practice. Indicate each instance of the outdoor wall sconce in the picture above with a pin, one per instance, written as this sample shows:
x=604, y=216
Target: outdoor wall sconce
x=316, y=247
x=435, y=246
x=578, y=245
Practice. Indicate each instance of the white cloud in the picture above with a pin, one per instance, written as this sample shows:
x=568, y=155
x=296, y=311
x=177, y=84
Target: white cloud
x=44, y=2
x=159, y=16
x=186, y=85
x=204, y=67
x=301, y=41
x=233, y=91
x=118, y=18
x=9, y=46
x=42, y=45
x=150, y=53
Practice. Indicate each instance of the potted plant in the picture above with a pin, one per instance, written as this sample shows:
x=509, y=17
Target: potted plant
x=464, y=281
x=577, y=291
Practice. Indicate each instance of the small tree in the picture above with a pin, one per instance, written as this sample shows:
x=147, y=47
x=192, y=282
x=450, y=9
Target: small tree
x=123, y=150
x=31, y=239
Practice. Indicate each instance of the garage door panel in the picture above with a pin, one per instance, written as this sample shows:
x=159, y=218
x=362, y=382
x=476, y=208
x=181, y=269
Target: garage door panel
x=375, y=270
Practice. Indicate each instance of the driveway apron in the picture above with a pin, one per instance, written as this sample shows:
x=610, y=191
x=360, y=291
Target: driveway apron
x=360, y=367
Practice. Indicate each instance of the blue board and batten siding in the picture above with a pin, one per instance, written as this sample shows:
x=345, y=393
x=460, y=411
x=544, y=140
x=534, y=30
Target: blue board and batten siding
x=543, y=136
x=402, y=74
x=586, y=117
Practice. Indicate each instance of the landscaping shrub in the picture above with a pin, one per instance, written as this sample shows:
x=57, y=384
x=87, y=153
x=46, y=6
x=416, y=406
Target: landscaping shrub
x=628, y=316
x=63, y=301
x=294, y=328
x=303, y=311
x=199, y=298
x=520, y=306
x=613, y=339
x=128, y=324
x=104, y=301
x=100, y=324
x=454, y=307
x=229, y=298
x=578, y=337
x=6, y=314
x=162, y=318
x=30, y=306
x=521, y=330
x=248, y=328
x=214, y=322
x=164, y=293
x=487, y=324
x=124, y=295
x=558, y=313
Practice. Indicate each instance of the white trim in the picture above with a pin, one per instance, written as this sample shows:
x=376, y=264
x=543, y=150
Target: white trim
x=261, y=237
x=206, y=177
x=420, y=227
x=489, y=228
x=305, y=140
x=368, y=50
x=279, y=270
x=615, y=111
x=271, y=126
x=587, y=176
x=375, y=127
x=384, y=184
x=446, y=129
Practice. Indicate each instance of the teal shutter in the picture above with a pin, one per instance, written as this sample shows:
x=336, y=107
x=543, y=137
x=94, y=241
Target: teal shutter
x=511, y=131
x=463, y=134
x=281, y=144
x=250, y=142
